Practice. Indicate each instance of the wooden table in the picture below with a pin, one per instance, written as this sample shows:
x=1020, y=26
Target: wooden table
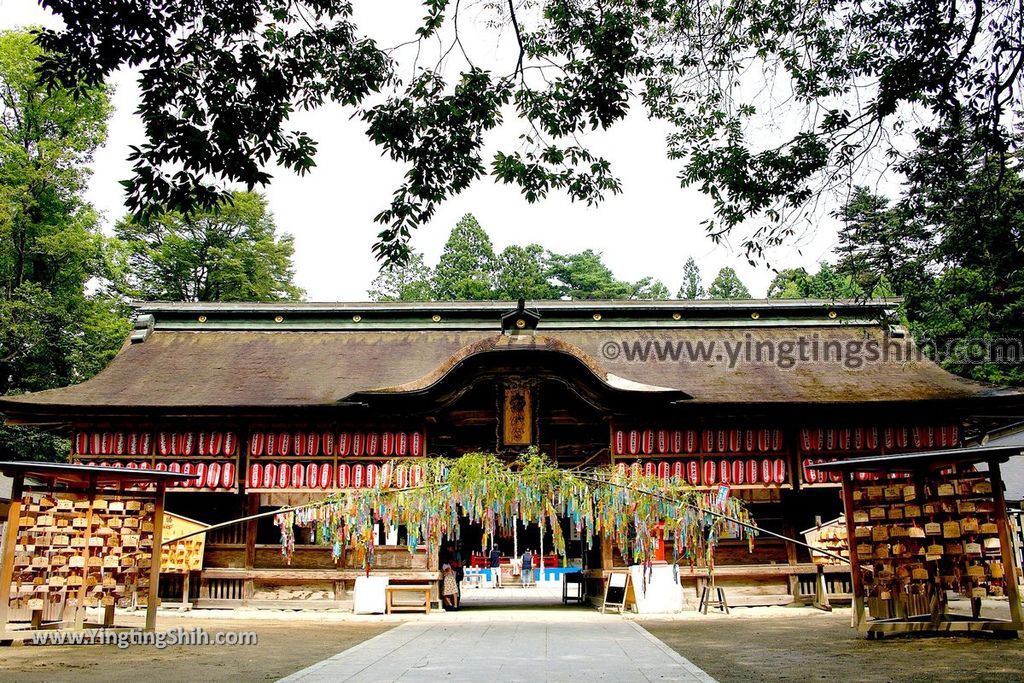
x=390, y=591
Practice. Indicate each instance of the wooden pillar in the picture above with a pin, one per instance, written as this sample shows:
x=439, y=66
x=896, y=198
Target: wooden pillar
x=252, y=506
x=1005, y=545
x=84, y=589
x=851, y=535
x=10, y=540
x=154, y=564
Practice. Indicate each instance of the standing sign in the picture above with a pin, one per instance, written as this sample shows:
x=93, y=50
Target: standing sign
x=615, y=591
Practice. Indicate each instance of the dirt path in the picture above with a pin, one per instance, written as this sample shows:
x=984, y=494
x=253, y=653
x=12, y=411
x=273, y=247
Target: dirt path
x=814, y=646
x=284, y=647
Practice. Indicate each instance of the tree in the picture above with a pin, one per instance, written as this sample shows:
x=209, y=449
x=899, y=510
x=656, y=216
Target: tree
x=229, y=253
x=649, y=289
x=222, y=79
x=791, y=283
x=827, y=283
x=410, y=282
x=523, y=272
x=727, y=285
x=467, y=264
x=585, y=276
x=959, y=265
x=52, y=332
x=692, y=287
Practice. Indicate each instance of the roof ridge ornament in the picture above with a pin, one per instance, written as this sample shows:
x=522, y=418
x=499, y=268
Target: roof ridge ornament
x=520, y=320
x=143, y=328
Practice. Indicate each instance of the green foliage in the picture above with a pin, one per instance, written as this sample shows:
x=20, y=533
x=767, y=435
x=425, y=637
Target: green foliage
x=523, y=272
x=585, y=276
x=692, y=287
x=827, y=283
x=412, y=281
x=952, y=247
x=51, y=249
x=229, y=253
x=498, y=492
x=467, y=265
x=727, y=285
x=222, y=79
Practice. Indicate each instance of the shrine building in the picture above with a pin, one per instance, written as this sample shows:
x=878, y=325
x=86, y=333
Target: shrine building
x=277, y=404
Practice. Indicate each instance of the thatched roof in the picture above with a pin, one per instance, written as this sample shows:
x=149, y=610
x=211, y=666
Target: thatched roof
x=318, y=355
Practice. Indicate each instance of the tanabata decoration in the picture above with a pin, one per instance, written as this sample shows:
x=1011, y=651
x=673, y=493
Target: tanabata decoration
x=634, y=510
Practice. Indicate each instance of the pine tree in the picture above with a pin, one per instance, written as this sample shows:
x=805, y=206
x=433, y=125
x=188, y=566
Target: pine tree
x=692, y=287
x=466, y=269
x=727, y=285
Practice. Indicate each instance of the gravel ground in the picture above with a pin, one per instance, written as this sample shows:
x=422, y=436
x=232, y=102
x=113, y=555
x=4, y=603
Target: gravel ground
x=285, y=645
x=788, y=644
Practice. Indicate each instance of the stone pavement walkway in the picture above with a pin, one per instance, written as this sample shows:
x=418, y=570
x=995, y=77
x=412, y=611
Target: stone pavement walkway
x=604, y=649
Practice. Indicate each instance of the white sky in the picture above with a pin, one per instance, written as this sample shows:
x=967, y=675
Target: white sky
x=650, y=229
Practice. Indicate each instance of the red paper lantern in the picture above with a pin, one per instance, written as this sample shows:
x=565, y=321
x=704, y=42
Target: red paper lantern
x=256, y=443
x=163, y=443
x=344, y=472
x=766, y=471
x=871, y=438
x=779, y=471
x=707, y=441
x=724, y=472
x=401, y=443
x=735, y=440
x=284, y=443
x=415, y=475
x=120, y=443
x=81, y=443
x=752, y=471
x=830, y=439
x=664, y=471
x=693, y=472
x=203, y=444
x=662, y=441
x=722, y=440
x=283, y=475
x=269, y=475
x=326, y=472
x=200, y=470
x=677, y=441
x=416, y=445
x=633, y=442
x=776, y=439
x=810, y=474
x=710, y=472
x=805, y=439
x=738, y=472
x=313, y=444
x=107, y=443
x=384, y=478
x=212, y=475
x=329, y=443
x=749, y=440
x=312, y=475
x=298, y=476
x=372, y=474
x=357, y=476
x=230, y=443
x=763, y=440
x=691, y=440
x=358, y=443
x=678, y=472
x=227, y=475
x=160, y=466
x=299, y=444
x=270, y=445
x=901, y=437
x=372, y=443
x=186, y=468
x=401, y=477
x=387, y=444
x=650, y=469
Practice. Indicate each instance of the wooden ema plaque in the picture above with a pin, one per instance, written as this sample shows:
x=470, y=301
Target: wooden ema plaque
x=186, y=555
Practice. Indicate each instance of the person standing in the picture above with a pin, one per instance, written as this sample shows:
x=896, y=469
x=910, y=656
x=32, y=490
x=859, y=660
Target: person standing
x=527, y=577
x=449, y=588
x=495, y=564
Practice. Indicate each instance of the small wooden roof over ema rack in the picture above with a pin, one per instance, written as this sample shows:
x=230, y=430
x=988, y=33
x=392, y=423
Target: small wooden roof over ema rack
x=911, y=462
x=75, y=477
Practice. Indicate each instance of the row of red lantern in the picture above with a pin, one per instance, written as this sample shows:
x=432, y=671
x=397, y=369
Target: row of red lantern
x=738, y=472
x=214, y=475
x=167, y=443
x=312, y=444
x=867, y=438
x=283, y=475
x=111, y=443
x=815, y=476
x=647, y=441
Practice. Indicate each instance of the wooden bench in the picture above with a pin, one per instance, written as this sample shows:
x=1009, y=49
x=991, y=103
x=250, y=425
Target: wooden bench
x=390, y=591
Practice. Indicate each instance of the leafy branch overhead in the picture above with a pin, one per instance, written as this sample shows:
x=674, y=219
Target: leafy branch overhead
x=768, y=102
